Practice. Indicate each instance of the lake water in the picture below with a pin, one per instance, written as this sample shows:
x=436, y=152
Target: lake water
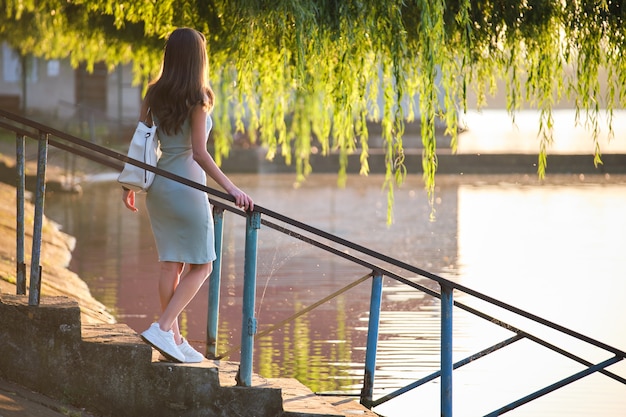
x=554, y=248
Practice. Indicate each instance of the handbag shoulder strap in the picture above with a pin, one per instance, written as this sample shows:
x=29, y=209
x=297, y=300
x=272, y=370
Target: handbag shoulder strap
x=149, y=121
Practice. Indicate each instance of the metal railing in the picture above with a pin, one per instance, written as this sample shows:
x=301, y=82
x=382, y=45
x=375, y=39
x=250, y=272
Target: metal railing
x=343, y=248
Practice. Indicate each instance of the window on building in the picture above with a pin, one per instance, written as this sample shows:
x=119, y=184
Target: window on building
x=12, y=65
x=11, y=68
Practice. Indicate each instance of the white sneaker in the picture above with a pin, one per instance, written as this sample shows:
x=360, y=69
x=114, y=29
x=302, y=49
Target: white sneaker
x=191, y=355
x=163, y=342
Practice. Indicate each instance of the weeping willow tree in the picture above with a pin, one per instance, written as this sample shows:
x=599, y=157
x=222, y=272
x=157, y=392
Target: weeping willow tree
x=293, y=73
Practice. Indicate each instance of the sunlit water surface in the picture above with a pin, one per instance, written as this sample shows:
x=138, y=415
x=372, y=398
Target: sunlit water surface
x=555, y=249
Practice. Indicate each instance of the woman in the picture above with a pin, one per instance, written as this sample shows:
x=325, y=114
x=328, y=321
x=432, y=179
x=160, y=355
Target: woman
x=179, y=102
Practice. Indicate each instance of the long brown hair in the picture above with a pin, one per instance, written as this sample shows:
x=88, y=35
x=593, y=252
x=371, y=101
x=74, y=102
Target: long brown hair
x=183, y=81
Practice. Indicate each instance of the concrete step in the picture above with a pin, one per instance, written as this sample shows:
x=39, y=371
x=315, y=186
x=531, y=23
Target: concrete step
x=17, y=401
x=300, y=401
x=109, y=370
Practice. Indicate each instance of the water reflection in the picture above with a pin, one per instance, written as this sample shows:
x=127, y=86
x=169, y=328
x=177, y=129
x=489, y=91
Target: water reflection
x=553, y=249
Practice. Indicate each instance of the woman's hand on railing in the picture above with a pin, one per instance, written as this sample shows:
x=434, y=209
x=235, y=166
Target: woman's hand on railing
x=128, y=197
x=242, y=200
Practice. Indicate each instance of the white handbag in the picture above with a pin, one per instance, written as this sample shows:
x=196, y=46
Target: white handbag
x=144, y=147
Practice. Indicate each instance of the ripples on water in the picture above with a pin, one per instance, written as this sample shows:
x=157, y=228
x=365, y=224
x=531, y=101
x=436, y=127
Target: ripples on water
x=555, y=249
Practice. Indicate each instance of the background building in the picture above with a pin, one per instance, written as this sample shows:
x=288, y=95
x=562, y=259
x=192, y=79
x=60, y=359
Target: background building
x=69, y=98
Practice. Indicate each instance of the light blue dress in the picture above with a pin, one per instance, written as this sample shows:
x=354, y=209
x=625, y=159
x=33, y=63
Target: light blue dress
x=180, y=216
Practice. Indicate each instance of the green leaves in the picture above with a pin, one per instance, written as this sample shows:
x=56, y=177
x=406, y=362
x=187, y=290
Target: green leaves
x=301, y=77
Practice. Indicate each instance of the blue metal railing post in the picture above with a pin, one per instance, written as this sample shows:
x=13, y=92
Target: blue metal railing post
x=35, y=267
x=248, y=323
x=214, y=286
x=367, y=392
x=447, y=303
x=21, y=185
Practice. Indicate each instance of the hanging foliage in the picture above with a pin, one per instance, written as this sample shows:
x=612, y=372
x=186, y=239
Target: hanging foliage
x=301, y=75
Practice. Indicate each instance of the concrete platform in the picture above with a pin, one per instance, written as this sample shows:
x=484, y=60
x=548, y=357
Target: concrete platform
x=49, y=359
x=17, y=401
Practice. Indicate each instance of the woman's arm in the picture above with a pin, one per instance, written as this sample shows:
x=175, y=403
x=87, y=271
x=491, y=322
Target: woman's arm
x=205, y=160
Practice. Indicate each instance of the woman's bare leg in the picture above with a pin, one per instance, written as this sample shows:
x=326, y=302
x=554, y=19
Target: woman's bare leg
x=168, y=281
x=181, y=294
